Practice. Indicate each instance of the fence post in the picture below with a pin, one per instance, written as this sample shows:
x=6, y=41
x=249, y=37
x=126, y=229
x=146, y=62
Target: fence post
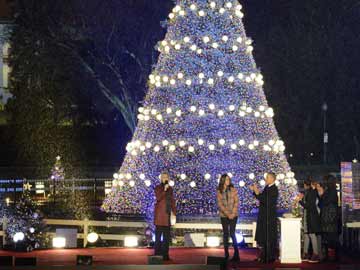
x=253, y=234
x=4, y=226
x=86, y=231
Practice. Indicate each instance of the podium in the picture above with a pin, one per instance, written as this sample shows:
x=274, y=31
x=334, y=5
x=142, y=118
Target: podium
x=290, y=240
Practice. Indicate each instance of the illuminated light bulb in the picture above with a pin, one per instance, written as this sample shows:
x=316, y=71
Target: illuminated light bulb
x=211, y=147
x=231, y=79
x=251, y=176
x=151, y=77
x=257, y=114
x=180, y=75
x=121, y=176
x=141, y=109
x=288, y=174
x=207, y=176
x=193, y=47
x=147, y=183
x=262, y=183
x=178, y=113
x=210, y=81
x=191, y=149
x=235, y=48
x=248, y=41
x=201, y=112
x=242, y=183
x=128, y=176
x=252, y=75
x=192, y=7
x=294, y=182
x=221, y=141
x=156, y=148
x=282, y=148
x=177, y=8
x=251, y=146
x=172, y=148
x=248, y=79
x=201, y=13
x=240, y=76
x=249, y=49
x=171, y=15
x=222, y=10
x=153, y=112
x=200, y=141
x=177, y=47
x=164, y=43
x=172, y=81
x=221, y=113
x=269, y=112
x=220, y=73
x=199, y=51
x=182, y=13
x=132, y=183
x=267, y=148
x=256, y=143
x=182, y=143
x=229, y=5
x=201, y=75
x=239, y=39
x=115, y=176
x=239, y=13
x=165, y=143
x=142, y=176
x=193, y=108
x=215, y=45
x=271, y=142
x=157, y=84
x=206, y=39
x=183, y=176
x=212, y=4
x=248, y=109
x=171, y=183
x=142, y=148
x=231, y=108
x=239, y=7
x=172, y=42
x=168, y=110
x=277, y=182
x=241, y=142
x=167, y=49
x=211, y=106
x=133, y=152
x=192, y=184
x=225, y=38
x=121, y=183
x=157, y=78
x=140, y=117
x=261, y=108
x=233, y=146
x=186, y=39
x=188, y=82
x=152, y=81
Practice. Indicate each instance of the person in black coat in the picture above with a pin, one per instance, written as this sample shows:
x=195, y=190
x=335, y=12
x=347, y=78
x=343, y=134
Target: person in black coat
x=266, y=228
x=329, y=216
x=312, y=226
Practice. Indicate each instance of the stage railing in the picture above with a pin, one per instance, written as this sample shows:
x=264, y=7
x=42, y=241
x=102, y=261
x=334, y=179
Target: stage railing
x=85, y=224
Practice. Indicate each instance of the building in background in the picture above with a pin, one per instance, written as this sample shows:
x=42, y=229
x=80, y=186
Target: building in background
x=5, y=22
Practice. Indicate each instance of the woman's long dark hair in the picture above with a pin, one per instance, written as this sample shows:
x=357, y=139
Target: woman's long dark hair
x=222, y=182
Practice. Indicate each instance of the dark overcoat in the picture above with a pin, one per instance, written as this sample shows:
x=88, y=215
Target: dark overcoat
x=312, y=215
x=267, y=217
x=162, y=218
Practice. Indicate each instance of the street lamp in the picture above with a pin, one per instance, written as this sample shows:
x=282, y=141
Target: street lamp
x=326, y=136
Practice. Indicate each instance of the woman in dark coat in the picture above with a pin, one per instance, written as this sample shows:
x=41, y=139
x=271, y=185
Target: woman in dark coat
x=165, y=204
x=266, y=228
x=329, y=216
x=312, y=225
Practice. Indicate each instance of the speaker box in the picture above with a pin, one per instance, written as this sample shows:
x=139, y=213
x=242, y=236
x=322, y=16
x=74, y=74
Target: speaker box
x=29, y=261
x=155, y=260
x=6, y=261
x=217, y=261
x=84, y=260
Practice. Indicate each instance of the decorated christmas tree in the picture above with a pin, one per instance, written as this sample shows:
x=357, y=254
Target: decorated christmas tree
x=65, y=202
x=25, y=223
x=205, y=114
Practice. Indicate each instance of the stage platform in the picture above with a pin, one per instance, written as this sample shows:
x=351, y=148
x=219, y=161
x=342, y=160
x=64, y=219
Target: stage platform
x=181, y=258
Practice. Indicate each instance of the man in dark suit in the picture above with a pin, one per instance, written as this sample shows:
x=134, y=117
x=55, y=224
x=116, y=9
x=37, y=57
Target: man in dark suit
x=266, y=228
x=165, y=204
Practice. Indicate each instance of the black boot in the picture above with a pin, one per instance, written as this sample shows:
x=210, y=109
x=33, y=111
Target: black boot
x=236, y=257
x=226, y=249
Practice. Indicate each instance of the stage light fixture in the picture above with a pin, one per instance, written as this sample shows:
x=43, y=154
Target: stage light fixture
x=212, y=241
x=131, y=241
x=59, y=242
x=92, y=237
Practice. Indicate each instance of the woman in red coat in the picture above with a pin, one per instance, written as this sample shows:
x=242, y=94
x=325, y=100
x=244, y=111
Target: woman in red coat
x=165, y=204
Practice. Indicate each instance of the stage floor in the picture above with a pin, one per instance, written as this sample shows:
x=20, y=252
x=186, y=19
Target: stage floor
x=138, y=256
